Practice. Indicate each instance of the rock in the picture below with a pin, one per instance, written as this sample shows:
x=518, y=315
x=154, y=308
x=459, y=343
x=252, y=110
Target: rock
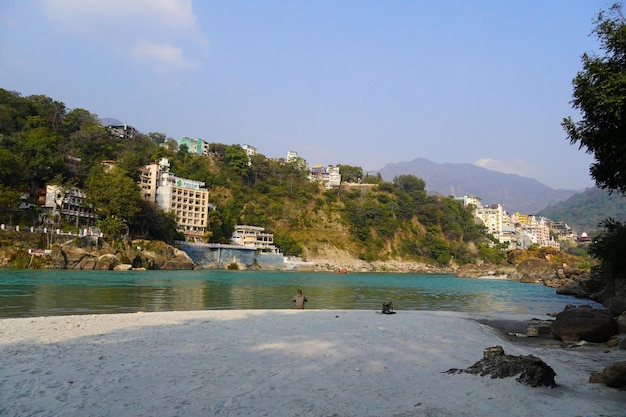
x=621, y=323
x=622, y=344
x=530, y=369
x=613, y=376
x=584, y=323
x=536, y=270
x=613, y=342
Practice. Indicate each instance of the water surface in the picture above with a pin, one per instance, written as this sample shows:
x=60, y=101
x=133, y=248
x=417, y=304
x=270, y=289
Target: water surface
x=28, y=293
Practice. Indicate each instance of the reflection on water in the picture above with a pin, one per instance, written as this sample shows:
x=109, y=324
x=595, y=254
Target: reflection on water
x=26, y=293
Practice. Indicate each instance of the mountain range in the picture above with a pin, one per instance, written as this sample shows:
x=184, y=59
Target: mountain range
x=514, y=192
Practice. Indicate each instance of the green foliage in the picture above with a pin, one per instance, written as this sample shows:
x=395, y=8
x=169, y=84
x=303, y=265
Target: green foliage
x=585, y=211
x=113, y=194
x=391, y=219
x=610, y=248
x=351, y=173
x=492, y=254
x=409, y=183
x=600, y=95
x=112, y=226
x=9, y=204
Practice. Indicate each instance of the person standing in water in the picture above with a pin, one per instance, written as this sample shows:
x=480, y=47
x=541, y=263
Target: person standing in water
x=299, y=300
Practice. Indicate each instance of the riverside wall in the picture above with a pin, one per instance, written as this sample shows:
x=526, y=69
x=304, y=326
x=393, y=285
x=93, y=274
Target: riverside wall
x=220, y=256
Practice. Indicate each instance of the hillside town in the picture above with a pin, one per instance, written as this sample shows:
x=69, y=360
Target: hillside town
x=189, y=201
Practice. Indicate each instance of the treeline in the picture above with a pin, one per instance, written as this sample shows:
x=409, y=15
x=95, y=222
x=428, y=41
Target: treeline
x=41, y=142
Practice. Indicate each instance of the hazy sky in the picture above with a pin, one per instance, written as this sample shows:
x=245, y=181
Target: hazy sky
x=341, y=82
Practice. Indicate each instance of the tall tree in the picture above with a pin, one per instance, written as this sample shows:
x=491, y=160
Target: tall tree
x=113, y=194
x=600, y=95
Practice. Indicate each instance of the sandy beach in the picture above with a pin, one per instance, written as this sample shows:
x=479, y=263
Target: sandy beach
x=284, y=363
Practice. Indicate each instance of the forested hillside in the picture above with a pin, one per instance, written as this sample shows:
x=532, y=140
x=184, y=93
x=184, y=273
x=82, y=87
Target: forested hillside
x=43, y=142
x=584, y=211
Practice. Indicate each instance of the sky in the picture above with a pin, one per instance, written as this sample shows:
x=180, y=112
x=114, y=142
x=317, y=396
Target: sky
x=355, y=82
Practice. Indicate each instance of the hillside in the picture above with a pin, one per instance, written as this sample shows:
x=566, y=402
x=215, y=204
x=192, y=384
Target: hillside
x=44, y=143
x=584, y=211
x=515, y=193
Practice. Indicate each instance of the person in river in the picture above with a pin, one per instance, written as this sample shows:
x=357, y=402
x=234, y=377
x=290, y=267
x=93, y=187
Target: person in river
x=299, y=300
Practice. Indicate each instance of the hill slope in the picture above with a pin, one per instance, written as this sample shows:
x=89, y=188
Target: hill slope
x=514, y=192
x=584, y=211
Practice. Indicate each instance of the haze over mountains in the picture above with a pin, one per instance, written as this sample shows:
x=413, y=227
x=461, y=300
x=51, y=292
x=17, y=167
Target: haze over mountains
x=514, y=192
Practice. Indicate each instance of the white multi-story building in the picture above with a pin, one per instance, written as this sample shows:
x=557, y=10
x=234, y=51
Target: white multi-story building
x=292, y=156
x=492, y=217
x=329, y=176
x=250, y=150
x=68, y=202
x=256, y=236
x=471, y=199
x=185, y=198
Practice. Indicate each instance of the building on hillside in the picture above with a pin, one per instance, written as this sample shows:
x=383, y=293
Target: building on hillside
x=196, y=146
x=492, y=217
x=67, y=203
x=292, y=156
x=125, y=132
x=329, y=176
x=245, y=235
x=536, y=231
x=250, y=150
x=562, y=229
x=185, y=198
x=470, y=200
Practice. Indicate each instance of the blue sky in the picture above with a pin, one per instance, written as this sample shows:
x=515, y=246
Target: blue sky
x=362, y=83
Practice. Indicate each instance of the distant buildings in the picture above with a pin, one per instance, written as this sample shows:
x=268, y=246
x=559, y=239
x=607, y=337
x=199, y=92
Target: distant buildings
x=329, y=175
x=517, y=230
x=196, y=146
x=124, y=132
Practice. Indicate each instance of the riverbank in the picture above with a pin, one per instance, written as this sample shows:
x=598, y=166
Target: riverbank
x=283, y=362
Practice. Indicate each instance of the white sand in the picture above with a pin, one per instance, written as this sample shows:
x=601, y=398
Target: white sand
x=282, y=363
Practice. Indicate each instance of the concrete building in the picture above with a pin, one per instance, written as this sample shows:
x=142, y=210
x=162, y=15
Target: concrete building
x=253, y=236
x=68, y=203
x=329, y=176
x=492, y=217
x=196, y=146
x=125, y=132
x=185, y=198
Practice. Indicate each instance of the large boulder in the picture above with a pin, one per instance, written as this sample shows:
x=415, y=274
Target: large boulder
x=529, y=369
x=613, y=376
x=536, y=271
x=577, y=323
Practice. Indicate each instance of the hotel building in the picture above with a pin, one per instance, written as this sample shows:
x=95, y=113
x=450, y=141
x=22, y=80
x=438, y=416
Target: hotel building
x=185, y=198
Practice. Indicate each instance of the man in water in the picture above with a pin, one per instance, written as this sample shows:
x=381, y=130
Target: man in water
x=300, y=299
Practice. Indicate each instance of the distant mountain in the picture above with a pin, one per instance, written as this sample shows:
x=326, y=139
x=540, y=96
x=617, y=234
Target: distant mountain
x=109, y=121
x=515, y=193
x=584, y=211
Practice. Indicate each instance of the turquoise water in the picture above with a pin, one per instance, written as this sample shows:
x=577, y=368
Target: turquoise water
x=28, y=293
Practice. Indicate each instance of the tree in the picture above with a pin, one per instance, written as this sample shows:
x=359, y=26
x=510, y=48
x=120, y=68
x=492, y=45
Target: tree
x=351, y=173
x=600, y=95
x=9, y=204
x=409, y=183
x=113, y=194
